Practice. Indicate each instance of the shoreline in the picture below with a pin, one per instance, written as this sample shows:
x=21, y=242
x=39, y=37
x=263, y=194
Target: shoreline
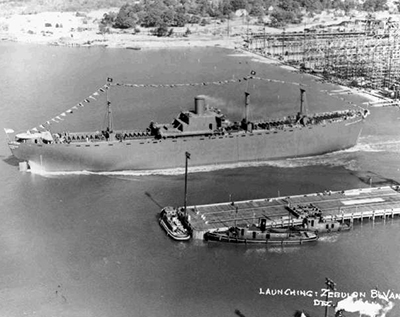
x=82, y=30
x=140, y=42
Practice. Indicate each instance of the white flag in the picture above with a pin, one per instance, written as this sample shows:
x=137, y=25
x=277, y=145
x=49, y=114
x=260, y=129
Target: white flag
x=8, y=130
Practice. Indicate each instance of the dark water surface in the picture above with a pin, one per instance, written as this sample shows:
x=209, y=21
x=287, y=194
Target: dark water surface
x=90, y=244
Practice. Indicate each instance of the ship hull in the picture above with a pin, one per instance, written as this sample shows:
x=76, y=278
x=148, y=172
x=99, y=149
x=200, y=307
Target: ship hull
x=149, y=154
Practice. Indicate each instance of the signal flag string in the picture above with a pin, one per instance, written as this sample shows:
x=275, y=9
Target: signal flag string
x=104, y=88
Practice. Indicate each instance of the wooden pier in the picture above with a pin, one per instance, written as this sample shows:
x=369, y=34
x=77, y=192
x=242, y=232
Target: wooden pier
x=350, y=205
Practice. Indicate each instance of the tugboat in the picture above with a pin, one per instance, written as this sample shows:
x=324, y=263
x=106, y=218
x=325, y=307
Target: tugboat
x=170, y=220
x=254, y=235
x=175, y=222
x=313, y=220
x=323, y=225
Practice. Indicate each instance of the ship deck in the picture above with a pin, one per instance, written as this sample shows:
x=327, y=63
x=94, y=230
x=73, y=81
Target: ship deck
x=283, y=211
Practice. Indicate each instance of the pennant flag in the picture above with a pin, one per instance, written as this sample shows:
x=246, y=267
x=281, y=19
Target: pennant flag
x=6, y=130
x=59, y=118
x=69, y=111
x=48, y=122
x=54, y=120
x=74, y=107
x=187, y=155
x=92, y=97
x=109, y=79
x=101, y=89
x=96, y=93
x=86, y=100
x=63, y=114
x=106, y=87
x=42, y=126
x=35, y=129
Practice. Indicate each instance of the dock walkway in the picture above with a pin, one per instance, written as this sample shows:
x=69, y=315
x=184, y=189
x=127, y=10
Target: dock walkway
x=290, y=210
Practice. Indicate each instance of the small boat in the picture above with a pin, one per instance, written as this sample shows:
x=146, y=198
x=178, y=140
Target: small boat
x=319, y=224
x=315, y=224
x=313, y=219
x=253, y=235
x=170, y=220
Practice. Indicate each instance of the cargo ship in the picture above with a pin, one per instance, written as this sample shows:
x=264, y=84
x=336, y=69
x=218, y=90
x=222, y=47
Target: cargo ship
x=204, y=132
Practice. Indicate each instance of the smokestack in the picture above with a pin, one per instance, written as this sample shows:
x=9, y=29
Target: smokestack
x=303, y=102
x=246, y=106
x=199, y=105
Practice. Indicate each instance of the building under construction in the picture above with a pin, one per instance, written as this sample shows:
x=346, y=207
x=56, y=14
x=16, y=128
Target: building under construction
x=361, y=53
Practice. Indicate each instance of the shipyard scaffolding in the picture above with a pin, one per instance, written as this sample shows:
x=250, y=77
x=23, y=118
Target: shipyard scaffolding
x=361, y=53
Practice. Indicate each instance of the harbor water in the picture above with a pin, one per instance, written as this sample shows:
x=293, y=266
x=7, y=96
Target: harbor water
x=89, y=244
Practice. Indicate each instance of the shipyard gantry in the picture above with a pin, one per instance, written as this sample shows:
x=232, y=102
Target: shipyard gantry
x=347, y=205
x=361, y=53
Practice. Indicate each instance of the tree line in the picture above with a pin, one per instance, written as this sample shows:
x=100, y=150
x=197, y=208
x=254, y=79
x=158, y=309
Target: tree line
x=161, y=14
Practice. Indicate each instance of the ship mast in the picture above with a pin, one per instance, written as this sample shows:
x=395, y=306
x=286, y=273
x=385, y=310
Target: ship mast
x=245, y=121
x=109, y=114
x=187, y=157
x=109, y=123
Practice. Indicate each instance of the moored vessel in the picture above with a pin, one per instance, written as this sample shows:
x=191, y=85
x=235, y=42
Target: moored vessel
x=323, y=225
x=254, y=235
x=171, y=221
x=313, y=219
x=204, y=132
